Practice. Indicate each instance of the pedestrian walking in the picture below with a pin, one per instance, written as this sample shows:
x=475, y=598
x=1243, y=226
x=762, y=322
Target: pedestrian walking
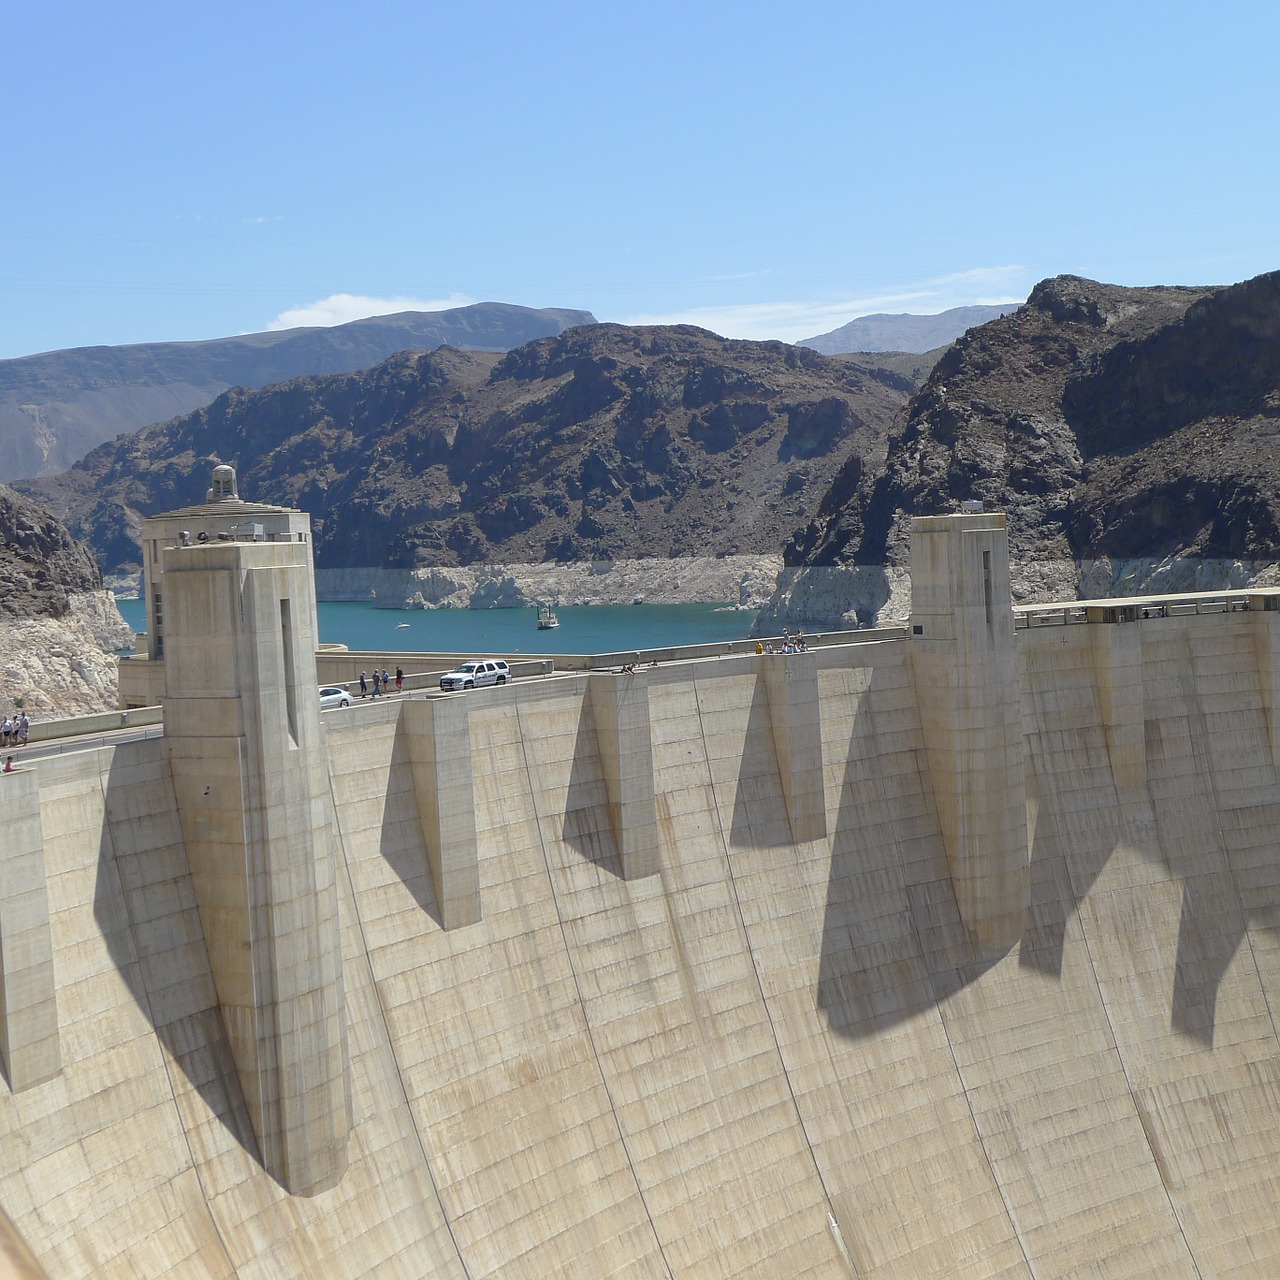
x=24, y=729
x=377, y=682
x=364, y=685
x=399, y=679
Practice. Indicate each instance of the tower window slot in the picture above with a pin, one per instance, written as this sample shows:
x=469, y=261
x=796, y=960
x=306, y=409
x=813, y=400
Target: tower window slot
x=290, y=687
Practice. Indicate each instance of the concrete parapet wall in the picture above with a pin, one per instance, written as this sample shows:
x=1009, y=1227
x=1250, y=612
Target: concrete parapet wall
x=103, y=722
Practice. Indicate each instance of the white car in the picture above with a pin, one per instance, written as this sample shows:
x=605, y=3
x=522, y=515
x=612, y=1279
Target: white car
x=477, y=672
x=332, y=696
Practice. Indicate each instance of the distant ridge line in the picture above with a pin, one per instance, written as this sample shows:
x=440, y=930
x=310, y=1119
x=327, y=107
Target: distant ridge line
x=56, y=406
x=904, y=332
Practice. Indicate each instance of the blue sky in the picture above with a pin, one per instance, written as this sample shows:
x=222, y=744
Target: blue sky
x=176, y=171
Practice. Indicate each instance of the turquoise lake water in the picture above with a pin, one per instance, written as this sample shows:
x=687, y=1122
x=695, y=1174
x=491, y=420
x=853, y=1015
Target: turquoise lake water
x=601, y=628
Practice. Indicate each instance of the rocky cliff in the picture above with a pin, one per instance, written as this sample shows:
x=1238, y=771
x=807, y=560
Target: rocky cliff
x=56, y=406
x=1129, y=434
x=41, y=565
x=57, y=625
x=603, y=443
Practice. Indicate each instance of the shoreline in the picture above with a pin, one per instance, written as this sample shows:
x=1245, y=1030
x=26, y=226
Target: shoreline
x=748, y=581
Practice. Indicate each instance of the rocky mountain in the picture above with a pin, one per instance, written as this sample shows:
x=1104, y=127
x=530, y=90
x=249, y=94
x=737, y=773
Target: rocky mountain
x=41, y=565
x=56, y=406
x=904, y=332
x=57, y=621
x=602, y=443
x=1129, y=433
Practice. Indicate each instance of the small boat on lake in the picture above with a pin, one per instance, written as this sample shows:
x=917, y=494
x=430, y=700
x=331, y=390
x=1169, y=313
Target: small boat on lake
x=547, y=619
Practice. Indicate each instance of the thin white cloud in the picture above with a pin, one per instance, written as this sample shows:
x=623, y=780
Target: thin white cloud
x=792, y=321
x=340, y=308
x=978, y=279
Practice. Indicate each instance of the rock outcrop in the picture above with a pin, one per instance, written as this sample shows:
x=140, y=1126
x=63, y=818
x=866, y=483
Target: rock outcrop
x=55, y=667
x=1127, y=432
x=58, y=627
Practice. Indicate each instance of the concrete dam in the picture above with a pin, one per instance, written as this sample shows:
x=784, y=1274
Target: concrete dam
x=941, y=952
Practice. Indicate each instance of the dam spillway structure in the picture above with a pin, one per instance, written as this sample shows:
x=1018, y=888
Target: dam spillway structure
x=949, y=953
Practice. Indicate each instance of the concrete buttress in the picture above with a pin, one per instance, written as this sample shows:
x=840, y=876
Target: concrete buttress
x=1117, y=656
x=249, y=767
x=1266, y=635
x=28, y=1007
x=964, y=662
x=620, y=707
x=439, y=739
x=791, y=684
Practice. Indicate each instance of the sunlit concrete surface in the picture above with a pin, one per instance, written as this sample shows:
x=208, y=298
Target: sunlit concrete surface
x=16, y=1261
x=680, y=973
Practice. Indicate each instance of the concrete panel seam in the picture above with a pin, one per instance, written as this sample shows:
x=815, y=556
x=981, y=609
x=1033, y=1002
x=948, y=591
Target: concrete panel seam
x=340, y=852
x=582, y=1005
x=755, y=973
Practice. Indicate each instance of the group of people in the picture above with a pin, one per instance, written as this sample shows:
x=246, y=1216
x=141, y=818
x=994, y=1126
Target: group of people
x=14, y=730
x=381, y=682
x=790, y=643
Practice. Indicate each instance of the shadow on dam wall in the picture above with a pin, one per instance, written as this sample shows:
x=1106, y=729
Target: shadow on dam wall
x=586, y=828
x=1206, y=817
x=400, y=839
x=1140, y=898
x=893, y=944
x=1206, y=820
x=759, y=818
x=145, y=906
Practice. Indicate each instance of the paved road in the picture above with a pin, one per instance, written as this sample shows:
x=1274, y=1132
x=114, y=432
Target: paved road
x=113, y=737
x=80, y=742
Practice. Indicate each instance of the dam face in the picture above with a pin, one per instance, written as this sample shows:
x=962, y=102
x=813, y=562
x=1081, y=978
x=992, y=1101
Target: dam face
x=843, y=963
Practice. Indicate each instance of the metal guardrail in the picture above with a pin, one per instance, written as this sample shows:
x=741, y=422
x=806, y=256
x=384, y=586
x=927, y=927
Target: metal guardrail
x=1145, y=608
x=1056, y=617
